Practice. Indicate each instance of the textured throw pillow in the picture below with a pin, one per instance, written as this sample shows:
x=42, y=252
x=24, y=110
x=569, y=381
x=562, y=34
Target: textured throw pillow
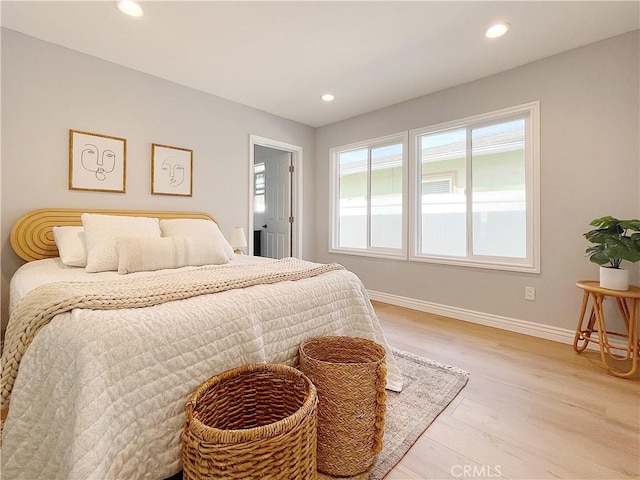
x=101, y=232
x=71, y=245
x=147, y=254
x=196, y=227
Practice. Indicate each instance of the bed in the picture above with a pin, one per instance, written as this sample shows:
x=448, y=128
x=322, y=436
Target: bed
x=100, y=391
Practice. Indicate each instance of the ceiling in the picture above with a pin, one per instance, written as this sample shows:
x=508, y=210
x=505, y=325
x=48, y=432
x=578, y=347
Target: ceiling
x=280, y=57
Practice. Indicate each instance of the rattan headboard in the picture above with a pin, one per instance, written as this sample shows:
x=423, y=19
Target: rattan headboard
x=32, y=235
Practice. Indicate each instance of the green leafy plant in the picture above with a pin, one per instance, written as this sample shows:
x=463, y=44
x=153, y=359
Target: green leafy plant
x=615, y=240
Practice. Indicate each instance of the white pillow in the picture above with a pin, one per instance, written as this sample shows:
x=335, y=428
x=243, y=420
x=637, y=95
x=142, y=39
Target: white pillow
x=196, y=227
x=146, y=254
x=101, y=232
x=71, y=245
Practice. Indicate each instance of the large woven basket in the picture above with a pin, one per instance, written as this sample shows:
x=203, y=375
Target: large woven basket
x=253, y=422
x=350, y=375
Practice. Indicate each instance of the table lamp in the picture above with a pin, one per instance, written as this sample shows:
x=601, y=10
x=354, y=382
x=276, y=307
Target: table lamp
x=238, y=240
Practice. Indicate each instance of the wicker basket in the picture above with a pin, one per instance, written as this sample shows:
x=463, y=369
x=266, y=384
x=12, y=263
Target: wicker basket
x=255, y=421
x=350, y=375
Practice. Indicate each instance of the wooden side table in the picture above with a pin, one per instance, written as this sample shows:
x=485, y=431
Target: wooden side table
x=596, y=322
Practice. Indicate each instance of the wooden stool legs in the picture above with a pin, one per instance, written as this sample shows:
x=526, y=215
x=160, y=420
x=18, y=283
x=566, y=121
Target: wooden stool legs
x=596, y=322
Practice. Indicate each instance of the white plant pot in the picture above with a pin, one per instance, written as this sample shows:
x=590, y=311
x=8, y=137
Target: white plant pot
x=614, y=278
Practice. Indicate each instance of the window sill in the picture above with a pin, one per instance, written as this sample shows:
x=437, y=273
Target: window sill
x=370, y=253
x=490, y=265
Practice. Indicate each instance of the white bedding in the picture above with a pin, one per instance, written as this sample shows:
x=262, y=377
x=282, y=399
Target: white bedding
x=101, y=394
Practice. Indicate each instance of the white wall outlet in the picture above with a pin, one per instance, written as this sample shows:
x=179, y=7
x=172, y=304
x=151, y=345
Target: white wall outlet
x=530, y=293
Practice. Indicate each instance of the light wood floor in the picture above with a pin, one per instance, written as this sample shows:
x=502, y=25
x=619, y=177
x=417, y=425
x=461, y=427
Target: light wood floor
x=533, y=409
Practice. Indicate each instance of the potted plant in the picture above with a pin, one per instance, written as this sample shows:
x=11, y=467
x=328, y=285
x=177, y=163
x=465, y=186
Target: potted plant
x=615, y=240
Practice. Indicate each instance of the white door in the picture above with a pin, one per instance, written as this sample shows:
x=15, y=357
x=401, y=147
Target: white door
x=277, y=228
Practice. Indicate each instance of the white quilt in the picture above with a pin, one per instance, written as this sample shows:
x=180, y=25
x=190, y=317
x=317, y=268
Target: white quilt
x=101, y=394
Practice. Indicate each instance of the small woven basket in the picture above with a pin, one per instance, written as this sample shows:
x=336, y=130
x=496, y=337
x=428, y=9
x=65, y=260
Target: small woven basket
x=350, y=375
x=252, y=422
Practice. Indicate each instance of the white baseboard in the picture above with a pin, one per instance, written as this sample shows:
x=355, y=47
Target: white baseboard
x=532, y=329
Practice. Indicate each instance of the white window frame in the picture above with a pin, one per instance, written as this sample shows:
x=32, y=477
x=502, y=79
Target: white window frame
x=334, y=200
x=530, y=264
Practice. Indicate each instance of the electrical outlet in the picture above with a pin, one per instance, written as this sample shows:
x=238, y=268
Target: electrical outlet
x=530, y=293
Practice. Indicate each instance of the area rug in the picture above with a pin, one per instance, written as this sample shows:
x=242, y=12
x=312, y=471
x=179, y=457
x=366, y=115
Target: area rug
x=429, y=387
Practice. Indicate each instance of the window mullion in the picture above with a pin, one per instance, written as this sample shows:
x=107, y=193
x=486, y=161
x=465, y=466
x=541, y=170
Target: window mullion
x=369, y=197
x=417, y=182
x=469, y=190
x=335, y=198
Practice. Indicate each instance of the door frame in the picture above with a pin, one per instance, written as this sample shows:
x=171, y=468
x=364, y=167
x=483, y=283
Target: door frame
x=296, y=189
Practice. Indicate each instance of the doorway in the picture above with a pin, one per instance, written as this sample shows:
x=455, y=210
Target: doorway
x=275, y=180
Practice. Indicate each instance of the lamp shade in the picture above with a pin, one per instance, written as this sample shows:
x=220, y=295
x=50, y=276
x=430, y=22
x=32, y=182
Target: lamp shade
x=238, y=239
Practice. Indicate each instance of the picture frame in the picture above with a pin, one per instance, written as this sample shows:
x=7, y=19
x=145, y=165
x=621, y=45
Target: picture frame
x=171, y=170
x=97, y=162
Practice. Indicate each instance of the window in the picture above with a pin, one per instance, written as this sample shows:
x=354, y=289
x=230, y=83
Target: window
x=259, y=188
x=438, y=183
x=477, y=191
x=369, y=197
x=474, y=193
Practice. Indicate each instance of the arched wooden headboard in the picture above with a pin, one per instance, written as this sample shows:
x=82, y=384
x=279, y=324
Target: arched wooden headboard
x=32, y=235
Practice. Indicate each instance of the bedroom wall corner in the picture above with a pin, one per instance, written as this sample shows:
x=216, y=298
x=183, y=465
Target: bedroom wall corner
x=589, y=154
x=47, y=90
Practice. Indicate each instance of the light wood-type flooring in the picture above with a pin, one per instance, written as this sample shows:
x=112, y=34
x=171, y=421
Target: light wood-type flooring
x=533, y=408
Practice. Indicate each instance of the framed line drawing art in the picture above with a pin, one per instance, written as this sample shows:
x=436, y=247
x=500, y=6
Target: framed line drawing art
x=171, y=170
x=97, y=162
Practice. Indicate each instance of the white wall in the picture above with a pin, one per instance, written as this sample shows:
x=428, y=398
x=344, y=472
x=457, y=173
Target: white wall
x=47, y=90
x=590, y=155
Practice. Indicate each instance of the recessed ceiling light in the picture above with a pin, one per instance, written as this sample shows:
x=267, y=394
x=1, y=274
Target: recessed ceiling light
x=131, y=8
x=327, y=97
x=497, y=30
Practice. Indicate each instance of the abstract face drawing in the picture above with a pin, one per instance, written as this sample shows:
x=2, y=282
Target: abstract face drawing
x=174, y=169
x=93, y=161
